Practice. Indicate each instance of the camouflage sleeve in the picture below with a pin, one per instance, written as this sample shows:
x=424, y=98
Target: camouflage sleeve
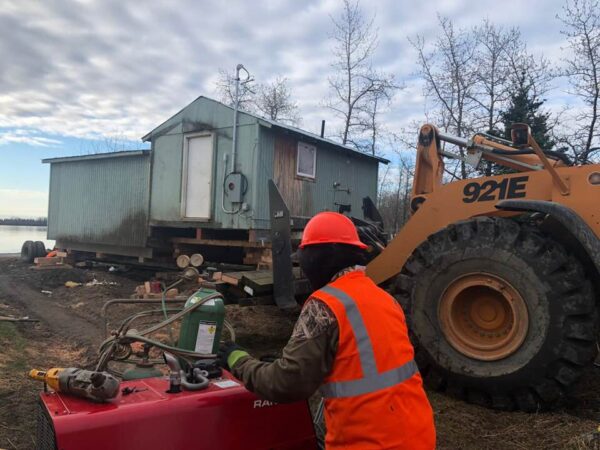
x=306, y=360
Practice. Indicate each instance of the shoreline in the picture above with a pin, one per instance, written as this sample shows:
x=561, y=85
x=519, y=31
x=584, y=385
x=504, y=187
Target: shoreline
x=22, y=225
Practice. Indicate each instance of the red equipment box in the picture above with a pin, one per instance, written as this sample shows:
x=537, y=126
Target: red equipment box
x=225, y=416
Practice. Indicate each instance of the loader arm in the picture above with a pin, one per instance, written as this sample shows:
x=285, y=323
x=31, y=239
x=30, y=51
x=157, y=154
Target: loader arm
x=436, y=205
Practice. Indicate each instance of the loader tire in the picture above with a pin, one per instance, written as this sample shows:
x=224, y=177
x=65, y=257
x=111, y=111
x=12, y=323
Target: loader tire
x=480, y=272
x=28, y=251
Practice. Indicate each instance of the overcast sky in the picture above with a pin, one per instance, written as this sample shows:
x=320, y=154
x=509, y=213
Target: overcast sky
x=73, y=74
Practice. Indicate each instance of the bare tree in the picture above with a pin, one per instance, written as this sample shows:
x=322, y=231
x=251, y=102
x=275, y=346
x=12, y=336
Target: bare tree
x=108, y=144
x=581, y=19
x=226, y=91
x=493, y=64
x=274, y=101
x=528, y=71
x=356, y=88
x=373, y=129
x=450, y=75
x=394, y=195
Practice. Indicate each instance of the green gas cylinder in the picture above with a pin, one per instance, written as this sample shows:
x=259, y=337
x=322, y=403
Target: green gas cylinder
x=201, y=329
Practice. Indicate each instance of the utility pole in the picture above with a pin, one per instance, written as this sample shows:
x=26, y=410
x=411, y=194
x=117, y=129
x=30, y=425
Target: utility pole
x=236, y=105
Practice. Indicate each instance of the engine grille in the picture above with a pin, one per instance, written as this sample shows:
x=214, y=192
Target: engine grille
x=45, y=430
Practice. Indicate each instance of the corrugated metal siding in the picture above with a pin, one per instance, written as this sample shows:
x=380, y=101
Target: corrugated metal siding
x=247, y=150
x=354, y=173
x=264, y=172
x=167, y=148
x=102, y=201
x=255, y=156
x=306, y=198
x=167, y=156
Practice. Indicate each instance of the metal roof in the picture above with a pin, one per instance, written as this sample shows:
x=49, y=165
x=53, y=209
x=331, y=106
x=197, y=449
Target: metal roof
x=272, y=123
x=96, y=156
x=316, y=137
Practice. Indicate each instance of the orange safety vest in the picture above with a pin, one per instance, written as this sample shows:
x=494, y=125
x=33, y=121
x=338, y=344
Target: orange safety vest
x=374, y=397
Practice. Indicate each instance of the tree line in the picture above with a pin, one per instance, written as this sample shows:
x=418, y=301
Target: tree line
x=476, y=79
x=39, y=222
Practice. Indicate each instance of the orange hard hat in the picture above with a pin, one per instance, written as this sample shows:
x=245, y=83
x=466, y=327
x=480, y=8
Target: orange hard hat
x=330, y=228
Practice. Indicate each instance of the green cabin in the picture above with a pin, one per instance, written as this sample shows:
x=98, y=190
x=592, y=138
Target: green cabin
x=186, y=186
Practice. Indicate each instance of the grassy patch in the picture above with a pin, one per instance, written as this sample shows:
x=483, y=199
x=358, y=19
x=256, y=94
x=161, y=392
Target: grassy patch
x=14, y=345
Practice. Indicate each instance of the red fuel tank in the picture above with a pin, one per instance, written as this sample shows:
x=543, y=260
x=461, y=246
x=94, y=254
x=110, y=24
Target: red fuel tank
x=225, y=416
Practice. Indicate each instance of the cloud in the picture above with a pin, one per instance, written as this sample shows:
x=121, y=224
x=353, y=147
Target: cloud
x=28, y=137
x=22, y=203
x=95, y=68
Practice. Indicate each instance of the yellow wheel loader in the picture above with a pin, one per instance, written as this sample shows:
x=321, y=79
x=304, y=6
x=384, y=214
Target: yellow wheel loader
x=499, y=275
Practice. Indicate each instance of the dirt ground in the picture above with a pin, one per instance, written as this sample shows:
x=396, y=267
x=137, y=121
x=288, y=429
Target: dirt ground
x=70, y=328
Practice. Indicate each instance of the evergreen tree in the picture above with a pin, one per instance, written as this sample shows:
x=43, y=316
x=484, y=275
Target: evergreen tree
x=525, y=107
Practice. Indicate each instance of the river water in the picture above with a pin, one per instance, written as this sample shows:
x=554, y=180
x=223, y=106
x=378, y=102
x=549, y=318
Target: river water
x=12, y=237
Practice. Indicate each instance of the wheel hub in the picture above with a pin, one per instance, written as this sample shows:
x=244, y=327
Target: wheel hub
x=483, y=317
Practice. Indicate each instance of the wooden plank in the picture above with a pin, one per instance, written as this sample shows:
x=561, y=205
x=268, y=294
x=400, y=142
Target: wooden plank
x=297, y=192
x=267, y=256
x=232, y=278
x=259, y=235
x=220, y=242
x=251, y=259
x=255, y=256
x=43, y=261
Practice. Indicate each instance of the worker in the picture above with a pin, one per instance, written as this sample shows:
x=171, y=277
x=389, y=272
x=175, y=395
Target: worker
x=350, y=342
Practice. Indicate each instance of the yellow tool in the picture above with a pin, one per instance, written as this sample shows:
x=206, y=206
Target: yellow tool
x=96, y=386
x=50, y=377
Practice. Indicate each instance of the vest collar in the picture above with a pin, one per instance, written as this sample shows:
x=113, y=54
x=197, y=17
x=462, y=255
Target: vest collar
x=348, y=271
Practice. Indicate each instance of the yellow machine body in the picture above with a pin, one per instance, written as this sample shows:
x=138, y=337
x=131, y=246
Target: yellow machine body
x=50, y=377
x=499, y=275
x=439, y=205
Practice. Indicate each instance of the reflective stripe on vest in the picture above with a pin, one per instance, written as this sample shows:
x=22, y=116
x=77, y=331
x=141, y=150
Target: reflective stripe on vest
x=372, y=380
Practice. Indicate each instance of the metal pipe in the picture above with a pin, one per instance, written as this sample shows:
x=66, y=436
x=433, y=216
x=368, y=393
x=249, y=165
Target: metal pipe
x=236, y=105
x=461, y=142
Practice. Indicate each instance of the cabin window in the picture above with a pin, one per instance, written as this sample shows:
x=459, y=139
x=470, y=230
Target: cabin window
x=306, y=163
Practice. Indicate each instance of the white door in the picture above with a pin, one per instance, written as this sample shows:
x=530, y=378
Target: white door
x=198, y=163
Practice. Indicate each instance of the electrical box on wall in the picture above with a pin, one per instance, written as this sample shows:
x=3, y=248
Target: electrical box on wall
x=234, y=188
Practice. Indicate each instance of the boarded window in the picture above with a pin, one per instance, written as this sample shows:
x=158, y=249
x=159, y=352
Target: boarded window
x=306, y=165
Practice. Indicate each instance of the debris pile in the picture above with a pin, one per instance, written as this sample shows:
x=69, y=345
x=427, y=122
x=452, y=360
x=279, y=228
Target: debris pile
x=53, y=260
